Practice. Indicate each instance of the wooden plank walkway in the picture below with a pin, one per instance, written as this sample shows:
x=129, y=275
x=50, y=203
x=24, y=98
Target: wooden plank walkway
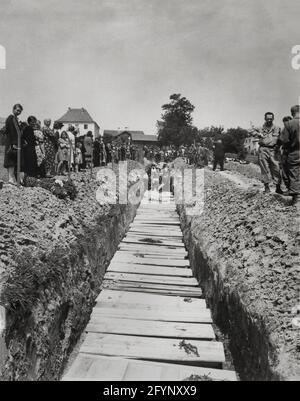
x=150, y=321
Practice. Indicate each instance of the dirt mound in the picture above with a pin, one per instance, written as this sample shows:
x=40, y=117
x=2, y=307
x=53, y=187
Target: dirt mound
x=53, y=256
x=245, y=249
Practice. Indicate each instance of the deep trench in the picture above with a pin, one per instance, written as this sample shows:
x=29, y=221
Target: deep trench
x=244, y=337
x=38, y=357
x=40, y=340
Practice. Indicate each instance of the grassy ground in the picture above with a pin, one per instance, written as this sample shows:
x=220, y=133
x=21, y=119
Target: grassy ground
x=3, y=174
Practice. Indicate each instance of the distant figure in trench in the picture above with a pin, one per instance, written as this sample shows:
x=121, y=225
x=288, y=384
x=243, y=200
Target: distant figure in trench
x=219, y=153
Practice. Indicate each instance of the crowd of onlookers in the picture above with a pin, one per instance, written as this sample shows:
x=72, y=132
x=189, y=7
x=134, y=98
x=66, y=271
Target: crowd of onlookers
x=47, y=150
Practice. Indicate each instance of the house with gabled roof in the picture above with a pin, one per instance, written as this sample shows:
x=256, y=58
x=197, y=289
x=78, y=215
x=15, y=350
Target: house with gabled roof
x=81, y=120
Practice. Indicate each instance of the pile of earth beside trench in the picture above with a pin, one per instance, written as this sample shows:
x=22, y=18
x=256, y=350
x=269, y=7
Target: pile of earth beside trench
x=244, y=249
x=53, y=256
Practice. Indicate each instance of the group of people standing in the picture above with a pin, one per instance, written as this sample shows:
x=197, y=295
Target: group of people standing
x=37, y=146
x=113, y=152
x=196, y=154
x=279, y=156
x=44, y=151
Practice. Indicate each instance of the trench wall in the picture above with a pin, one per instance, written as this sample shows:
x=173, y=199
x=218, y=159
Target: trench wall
x=243, y=250
x=54, y=276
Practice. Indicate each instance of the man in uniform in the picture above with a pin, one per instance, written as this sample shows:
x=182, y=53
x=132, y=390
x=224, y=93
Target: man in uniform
x=290, y=140
x=268, y=136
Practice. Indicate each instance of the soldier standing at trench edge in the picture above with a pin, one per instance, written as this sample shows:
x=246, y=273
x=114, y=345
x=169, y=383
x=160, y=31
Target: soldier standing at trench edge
x=268, y=136
x=290, y=140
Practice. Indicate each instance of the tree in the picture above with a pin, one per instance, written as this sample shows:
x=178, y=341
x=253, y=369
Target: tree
x=234, y=141
x=209, y=132
x=176, y=126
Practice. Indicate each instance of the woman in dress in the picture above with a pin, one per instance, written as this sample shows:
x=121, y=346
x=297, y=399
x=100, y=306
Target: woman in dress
x=88, y=144
x=29, y=157
x=11, y=143
x=50, y=143
x=63, y=154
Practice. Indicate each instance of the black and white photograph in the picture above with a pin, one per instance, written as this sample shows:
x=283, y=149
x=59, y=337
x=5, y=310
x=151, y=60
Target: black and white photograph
x=149, y=193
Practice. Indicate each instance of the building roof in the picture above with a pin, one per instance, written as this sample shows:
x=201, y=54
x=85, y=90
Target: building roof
x=135, y=135
x=76, y=116
x=115, y=133
x=145, y=138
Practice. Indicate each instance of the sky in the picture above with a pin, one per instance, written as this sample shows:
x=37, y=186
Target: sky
x=122, y=59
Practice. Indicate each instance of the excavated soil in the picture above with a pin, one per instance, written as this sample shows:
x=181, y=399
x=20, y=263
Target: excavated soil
x=53, y=256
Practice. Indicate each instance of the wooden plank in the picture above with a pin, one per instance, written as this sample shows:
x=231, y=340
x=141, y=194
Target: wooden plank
x=152, y=255
x=144, y=286
x=155, y=230
x=158, y=206
x=130, y=240
x=151, y=290
x=202, y=353
x=163, y=237
x=137, y=257
x=144, y=216
x=170, y=234
x=154, y=314
x=152, y=226
x=88, y=367
x=150, y=269
x=152, y=299
x=157, y=223
x=189, y=309
x=163, y=211
x=184, y=305
x=159, y=240
x=160, y=220
x=156, y=226
x=152, y=278
x=147, y=248
x=157, y=212
x=124, y=257
x=147, y=328
x=154, y=247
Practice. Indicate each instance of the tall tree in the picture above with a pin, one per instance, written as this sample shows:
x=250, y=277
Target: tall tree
x=176, y=126
x=210, y=132
x=234, y=141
